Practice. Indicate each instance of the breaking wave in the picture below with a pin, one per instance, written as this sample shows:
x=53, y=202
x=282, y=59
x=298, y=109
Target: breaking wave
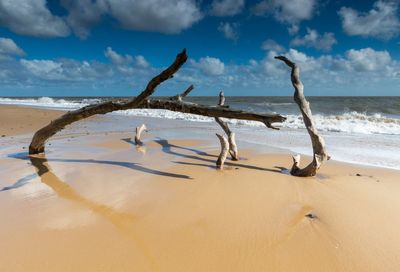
x=347, y=122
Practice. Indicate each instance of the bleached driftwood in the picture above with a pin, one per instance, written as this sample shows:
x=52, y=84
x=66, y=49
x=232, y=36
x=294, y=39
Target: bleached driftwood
x=224, y=151
x=318, y=143
x=221, y=101
x=233, y=150
x=139, y=131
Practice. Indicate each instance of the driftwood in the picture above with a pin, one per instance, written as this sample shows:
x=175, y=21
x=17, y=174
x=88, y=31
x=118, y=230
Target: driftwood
x=318, y=143
x=139, y=131
x=224, y=151
x=41, y=136
x=233, y=150
x=186, y=107
x=179, y=97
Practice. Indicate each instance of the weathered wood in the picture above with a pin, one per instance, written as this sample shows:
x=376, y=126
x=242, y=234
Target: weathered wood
x=180, y=97
x=221, y=101
x=210, y=111
x=139, y=131
x=41, y=136
x=224, y=151
x=233, y=150
x=318, y=143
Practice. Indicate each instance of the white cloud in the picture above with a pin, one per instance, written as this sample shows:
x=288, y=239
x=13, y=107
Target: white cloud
x=229, y=30
x=271, y=45
x=9, y=48
x=83, y=14
x=288, y=11
x=367, y=70
x=117, y=58
x=226, y=7
x=127, y=64
x=31, y=18
x=368, y=59
x=46, y=69
x=141, y=62
x=314, y=39
x=210, y=66
x=165, y=16
x=380, y=22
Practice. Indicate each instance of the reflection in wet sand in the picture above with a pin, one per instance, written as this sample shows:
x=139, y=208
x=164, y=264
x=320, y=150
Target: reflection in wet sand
x=124, y=222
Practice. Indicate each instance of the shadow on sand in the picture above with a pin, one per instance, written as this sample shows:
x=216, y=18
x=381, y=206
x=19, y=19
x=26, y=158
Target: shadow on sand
x=168, y=149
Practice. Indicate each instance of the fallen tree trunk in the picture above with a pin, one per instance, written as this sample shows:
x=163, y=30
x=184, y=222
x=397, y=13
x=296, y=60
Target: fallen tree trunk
x=42, y=135
x=318, y=143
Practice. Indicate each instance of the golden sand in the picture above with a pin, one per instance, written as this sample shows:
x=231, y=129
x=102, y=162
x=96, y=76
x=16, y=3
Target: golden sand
x=168, y=209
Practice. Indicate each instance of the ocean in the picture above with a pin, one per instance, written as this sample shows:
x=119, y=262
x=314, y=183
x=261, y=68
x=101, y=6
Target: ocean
x=363, y=130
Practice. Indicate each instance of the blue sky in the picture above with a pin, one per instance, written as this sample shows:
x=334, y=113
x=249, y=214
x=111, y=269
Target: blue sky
x=112, y=48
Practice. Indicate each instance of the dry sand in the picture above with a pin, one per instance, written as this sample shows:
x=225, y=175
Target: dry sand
x=101, y=204
x=18, y=120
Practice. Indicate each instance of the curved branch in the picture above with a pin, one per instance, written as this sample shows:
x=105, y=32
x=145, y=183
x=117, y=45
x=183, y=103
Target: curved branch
x=41, y=136
x=318, y=143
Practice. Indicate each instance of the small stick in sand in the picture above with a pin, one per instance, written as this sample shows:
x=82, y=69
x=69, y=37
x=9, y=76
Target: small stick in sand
x=224, y=151
x=139, y=131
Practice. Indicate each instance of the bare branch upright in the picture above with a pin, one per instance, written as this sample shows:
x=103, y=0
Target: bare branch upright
x=318, y=143
x=224, y=151
x=233, y=150
x=139, y=131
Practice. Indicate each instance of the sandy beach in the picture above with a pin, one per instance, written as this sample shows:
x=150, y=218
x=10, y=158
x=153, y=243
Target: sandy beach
x=96, y=202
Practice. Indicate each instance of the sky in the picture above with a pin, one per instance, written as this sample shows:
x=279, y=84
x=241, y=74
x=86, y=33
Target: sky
x=114, y=47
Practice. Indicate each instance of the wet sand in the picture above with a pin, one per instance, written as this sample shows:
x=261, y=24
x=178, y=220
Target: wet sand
x=98, y=203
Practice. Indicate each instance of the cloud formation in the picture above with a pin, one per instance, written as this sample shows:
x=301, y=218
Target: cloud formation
x=382, y=21
x=31, y=18
x=229, y=30
x=289, y=11
x=209, y=66
x=315, y=40
x=226, y=7
x=272, y=45
x=165, y=16
x=9, y=48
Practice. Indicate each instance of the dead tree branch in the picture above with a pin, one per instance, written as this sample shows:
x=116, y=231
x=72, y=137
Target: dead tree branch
x=209, y=111
x=179, y=97
x=233, y=150
x=41, y=136
x=318, y=143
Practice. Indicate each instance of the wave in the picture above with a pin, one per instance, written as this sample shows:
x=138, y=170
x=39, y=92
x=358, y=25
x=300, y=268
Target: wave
x=348, y=122
x=48, y=102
